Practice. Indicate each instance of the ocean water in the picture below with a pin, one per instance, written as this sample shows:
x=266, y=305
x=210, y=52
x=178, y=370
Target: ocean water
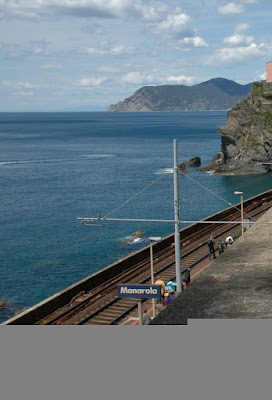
x=56, y=167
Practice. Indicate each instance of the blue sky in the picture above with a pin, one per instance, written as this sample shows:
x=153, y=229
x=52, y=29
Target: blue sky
x=64, y=54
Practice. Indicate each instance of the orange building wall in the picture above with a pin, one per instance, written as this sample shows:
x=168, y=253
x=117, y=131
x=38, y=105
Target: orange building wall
x=269, y=71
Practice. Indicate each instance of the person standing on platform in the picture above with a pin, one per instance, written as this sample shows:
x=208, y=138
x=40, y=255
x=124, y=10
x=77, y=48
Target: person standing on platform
x=166, y=299
x=159, y=306
x=229, y=240
x=170, y=286
x=171, y=297
x=187, y=279
x=211, y=243
x=146, y=318
x=162, y=285
x=221, y=246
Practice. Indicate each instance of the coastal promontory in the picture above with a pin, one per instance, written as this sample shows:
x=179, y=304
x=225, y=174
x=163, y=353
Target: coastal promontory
x=215, y=94
x=246, y=139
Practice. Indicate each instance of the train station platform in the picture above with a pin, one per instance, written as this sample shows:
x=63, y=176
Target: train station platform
x=235, y=285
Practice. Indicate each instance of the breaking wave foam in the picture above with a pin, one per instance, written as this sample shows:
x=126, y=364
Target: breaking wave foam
x=164, y=171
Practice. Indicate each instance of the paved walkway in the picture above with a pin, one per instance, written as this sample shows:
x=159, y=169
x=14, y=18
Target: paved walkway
x=238, y=284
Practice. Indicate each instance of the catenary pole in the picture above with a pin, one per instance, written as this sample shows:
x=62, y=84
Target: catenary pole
x=242, y=213
x=176, y=218
x=140, y=312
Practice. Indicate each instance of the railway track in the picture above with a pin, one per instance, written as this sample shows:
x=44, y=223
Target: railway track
x=101, y=306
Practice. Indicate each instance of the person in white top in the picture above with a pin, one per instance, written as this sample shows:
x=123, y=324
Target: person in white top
x=229, y=240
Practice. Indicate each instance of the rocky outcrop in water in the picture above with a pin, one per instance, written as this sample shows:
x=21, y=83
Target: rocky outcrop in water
x=246, y=145
x=182, y=168
x=193, y=162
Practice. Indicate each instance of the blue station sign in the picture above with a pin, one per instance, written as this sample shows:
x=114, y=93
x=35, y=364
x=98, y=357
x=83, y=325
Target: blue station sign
x=139, y=291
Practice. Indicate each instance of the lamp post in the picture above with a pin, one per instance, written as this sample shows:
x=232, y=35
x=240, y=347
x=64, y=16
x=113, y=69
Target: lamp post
x=153, y=239
x=176, y=216
x=242, y=211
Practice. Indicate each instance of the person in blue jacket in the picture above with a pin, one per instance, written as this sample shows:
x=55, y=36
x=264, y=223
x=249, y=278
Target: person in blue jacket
x=170, y=286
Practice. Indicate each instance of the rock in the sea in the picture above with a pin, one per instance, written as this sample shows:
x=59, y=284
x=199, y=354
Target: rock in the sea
x=138, y=234
x=193, y=162
x=3, y=305
x=182, y=168
x=246, y=144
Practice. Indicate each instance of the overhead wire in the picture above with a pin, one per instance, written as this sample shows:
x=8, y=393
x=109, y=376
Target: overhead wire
x=137, y=194
x=215, y=194
x=204, y=187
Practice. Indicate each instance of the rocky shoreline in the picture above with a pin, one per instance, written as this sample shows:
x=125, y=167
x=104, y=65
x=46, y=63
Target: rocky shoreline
x=246, y=139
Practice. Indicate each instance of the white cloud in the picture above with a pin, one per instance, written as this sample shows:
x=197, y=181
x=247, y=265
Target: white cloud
x=231, y=9
x=238, y=40
x=237, y=55
x=7, y=83
x=105, y=49
x=18, y=85
x=192, y=42
x=136, y=77
x=180, y=79
x=108, y=69
x=78, y=8
x=175, y=26
x=15, y=50
x=91, y=81
x=27, y=85
x=138, y=9
x=154, y=11
x=262, y=76
x=242, y=27
x=154, y=78
x=178, y=30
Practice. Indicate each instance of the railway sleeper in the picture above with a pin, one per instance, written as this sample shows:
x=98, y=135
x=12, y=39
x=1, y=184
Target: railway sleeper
x=112, y=313
x=97, y=322
x=105, y=316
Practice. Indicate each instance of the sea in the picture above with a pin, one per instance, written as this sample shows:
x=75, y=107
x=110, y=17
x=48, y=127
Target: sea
x=58, y=167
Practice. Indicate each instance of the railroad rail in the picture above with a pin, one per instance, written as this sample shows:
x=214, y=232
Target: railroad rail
x=101, y=306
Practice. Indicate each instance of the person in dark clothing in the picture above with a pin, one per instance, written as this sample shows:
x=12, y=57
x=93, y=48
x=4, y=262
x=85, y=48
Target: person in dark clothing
x=221, y=246
x=187, y=280
x=165, y=302
x=211, y=243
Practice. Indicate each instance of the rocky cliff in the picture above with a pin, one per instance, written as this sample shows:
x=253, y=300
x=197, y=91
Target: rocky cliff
x=246, y=145
x=215, y=94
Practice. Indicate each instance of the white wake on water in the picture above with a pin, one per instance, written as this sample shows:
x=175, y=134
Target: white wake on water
x=53, y=160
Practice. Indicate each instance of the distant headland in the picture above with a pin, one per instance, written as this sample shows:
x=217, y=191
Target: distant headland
x=216, y=94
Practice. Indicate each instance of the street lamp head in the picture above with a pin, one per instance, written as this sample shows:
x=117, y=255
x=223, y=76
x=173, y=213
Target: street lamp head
x=238, y=192
x=155, y=238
